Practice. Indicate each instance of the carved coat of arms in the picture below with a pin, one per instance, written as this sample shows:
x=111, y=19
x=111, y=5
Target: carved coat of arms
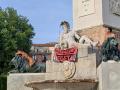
x=115, y=6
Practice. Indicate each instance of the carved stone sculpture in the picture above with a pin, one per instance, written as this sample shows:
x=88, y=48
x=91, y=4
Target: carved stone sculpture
x=115, y=6
x=69, y=69
x=21, y=64
x=69, y=38
x=110, y=50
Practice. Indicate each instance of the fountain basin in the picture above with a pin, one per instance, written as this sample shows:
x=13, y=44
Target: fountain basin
x=64, y=85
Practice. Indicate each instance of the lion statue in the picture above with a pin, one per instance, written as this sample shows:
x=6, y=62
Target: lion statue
x=23, y=63
x=109, y=50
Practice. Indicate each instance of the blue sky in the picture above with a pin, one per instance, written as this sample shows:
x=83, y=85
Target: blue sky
x=44, y=15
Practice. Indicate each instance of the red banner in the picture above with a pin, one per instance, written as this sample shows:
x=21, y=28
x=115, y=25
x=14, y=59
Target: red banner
x=66, y=55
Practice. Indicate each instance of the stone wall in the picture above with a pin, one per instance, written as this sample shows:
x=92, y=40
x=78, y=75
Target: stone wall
x=18, y=81
x=97, y=33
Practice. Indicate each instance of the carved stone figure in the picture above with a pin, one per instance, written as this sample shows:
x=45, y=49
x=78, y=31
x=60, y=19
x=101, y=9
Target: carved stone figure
x=24, y=63
x=69, y=38
x=69, y=69
x=115, y=6
x=109, y=50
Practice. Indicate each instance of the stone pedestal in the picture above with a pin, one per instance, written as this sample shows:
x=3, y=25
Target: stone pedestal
x=91, y=13
x=91, y=17
x=85, y=66
x=109, y=76
x=17, y=81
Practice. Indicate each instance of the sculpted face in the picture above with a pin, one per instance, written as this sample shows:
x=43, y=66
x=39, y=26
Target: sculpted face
x=65, y=28
x=107, y=30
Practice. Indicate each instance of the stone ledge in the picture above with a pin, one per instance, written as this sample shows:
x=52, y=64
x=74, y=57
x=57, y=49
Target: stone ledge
x=109, y=76
x=18, y=80
x=64, y=85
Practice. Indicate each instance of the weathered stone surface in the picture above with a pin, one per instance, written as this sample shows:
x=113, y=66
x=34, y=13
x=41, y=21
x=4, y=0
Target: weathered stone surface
x=82, y=50
x=114, y=7
x=85, y=70
x=90, y=10
x=97, y=33
x=52, y=66
x=86, y=67
x=107, y=12
x=63, y=85
x=17, y=81
x=49, y=66
x=54, y=76
x=109, y=76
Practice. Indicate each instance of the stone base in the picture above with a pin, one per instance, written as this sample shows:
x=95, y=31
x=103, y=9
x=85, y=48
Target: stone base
x=85, y=66
x=109, y=76
x=17, y=81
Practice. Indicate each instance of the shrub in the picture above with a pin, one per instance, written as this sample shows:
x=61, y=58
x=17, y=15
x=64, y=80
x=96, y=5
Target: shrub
x=3, y=82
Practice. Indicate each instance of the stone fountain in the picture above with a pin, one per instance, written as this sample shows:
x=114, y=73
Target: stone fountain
x=90, y=18
x=79, y=75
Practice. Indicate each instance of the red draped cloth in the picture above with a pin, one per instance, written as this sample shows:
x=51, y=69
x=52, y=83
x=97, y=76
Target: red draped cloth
x=66, y=54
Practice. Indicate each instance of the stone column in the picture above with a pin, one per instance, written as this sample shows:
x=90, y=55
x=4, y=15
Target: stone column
x=91, y=16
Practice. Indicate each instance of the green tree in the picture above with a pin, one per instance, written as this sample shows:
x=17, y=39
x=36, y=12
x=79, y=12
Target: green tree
x=15, y=33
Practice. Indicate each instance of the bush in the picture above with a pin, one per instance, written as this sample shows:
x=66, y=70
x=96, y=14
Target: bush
x=3, y=82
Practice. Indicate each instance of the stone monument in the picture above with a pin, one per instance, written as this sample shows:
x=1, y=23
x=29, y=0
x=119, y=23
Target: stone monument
x=74, y=63
x=79, y=67
x=91, y=17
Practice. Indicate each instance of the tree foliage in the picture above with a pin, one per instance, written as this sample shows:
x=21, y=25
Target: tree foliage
x=15, y=33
